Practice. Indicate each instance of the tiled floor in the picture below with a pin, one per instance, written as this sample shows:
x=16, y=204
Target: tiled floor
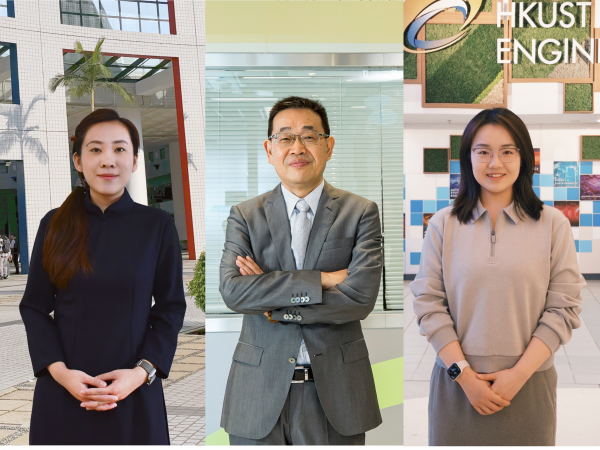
x=184, y=390
x=577, y=364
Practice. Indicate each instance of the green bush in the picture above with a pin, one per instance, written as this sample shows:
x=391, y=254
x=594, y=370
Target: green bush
x=463, y=71
x=455, y=147
x=590, y=148
x=196, y=286
x=436, y=160
x=579, y=97
x=525, y=68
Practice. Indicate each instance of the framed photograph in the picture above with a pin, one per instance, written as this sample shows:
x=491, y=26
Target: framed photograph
x=566, y=174
x=589, y=187
x=570, y=209
x=426, y=217
x=454, y=185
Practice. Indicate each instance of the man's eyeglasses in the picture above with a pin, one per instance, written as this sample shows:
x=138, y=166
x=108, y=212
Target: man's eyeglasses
x=484, y=155
x=287, y=139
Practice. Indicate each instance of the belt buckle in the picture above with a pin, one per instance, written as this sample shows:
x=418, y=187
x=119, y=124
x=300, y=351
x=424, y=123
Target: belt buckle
x=305, y=374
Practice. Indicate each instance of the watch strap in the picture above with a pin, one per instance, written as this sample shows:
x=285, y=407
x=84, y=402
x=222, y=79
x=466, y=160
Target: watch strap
x=462, y=365
x=148, y=368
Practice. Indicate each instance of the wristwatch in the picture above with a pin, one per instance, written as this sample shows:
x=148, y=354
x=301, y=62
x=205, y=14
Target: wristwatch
x=148, y=368
x=457, y=368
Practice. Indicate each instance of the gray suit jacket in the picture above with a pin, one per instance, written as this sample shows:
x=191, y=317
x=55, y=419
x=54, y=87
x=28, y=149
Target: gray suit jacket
x=346, y=233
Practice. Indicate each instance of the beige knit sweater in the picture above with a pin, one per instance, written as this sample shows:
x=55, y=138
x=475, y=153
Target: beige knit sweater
x=493, y=291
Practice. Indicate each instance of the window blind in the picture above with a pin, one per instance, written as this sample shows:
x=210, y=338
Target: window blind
x=365, y=118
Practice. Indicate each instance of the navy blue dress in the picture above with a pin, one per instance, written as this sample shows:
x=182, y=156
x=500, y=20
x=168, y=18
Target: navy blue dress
x=105, y=321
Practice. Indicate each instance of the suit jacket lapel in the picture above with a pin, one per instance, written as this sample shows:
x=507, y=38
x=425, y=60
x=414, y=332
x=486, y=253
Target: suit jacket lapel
x=326, y=214
x=279, y=225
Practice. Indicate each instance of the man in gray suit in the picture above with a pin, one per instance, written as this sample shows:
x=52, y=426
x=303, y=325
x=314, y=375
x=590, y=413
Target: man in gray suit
x=303, y=264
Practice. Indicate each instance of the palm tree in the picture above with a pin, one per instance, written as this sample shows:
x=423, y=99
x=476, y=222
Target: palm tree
x=18, y=132
x=93, y=76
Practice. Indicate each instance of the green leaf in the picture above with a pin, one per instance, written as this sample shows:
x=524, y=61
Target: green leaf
x=196, y=287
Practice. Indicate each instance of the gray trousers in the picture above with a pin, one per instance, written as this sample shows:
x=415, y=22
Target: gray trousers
x=302, y=422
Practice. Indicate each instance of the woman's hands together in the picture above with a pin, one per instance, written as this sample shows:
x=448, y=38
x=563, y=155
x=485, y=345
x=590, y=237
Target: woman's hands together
x=480, y=394
x=102, y=397
x=124, y=382
x=76, y=382
x=506, y=383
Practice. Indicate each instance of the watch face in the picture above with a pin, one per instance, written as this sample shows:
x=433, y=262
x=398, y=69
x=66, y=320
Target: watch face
x=454, y=371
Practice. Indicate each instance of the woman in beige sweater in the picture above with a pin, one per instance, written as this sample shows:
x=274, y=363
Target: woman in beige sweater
x=498, y=291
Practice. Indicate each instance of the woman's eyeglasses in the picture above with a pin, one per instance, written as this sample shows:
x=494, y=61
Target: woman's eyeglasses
x=484, y=155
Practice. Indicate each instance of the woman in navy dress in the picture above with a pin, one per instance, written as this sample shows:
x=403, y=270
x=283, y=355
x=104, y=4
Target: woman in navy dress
x=98, y=262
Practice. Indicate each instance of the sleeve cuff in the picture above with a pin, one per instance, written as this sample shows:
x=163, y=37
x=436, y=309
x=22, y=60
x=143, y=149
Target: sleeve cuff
x=443, y=337
x=548, y=337
x=309, y=290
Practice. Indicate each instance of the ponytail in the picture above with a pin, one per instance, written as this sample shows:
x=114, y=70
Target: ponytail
x=66, y=244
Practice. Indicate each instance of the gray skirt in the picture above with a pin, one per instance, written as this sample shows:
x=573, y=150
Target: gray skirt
x=529, y=420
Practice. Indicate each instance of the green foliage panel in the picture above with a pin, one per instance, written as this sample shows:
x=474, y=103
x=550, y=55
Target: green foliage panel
x=410, y=64
x=590, y=148
x=436, y=160
x=579, y=97
x=525, y=68
x=455, y=147
x=461, y=72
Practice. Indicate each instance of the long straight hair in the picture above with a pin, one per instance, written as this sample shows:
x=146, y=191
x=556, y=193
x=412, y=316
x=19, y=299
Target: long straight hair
x=526, y=202
x=66, y=243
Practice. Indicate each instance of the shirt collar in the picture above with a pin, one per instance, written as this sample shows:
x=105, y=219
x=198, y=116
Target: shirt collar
x=123, y=204
x=509, y=211
x=312, y=199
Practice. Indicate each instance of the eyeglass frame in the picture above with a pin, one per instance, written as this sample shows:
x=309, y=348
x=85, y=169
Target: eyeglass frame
x=497, y=152
x=299, y=137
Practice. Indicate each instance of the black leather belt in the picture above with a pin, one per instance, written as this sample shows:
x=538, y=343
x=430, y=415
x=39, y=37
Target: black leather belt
x=302, y=374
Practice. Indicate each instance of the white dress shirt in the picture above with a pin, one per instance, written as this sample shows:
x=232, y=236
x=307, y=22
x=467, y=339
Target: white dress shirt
x=290, y=202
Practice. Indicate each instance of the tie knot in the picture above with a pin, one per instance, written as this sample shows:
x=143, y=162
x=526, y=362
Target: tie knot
x=302, y=205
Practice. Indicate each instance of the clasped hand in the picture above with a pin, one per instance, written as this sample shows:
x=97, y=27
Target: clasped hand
x=101, y=397
x=491, y=392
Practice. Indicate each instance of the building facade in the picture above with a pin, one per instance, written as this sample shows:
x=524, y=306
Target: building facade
x=155, y=49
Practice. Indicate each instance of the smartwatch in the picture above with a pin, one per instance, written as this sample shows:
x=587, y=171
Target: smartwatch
x=456, y=369
x=148, y=368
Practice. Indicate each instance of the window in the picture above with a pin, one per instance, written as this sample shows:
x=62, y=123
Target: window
x=146, y=16
x=162, y=153
x=364, y=108
x=9, y=80
x=7, y=8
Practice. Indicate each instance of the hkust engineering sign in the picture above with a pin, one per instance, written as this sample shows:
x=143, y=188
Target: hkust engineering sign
x=521, y=14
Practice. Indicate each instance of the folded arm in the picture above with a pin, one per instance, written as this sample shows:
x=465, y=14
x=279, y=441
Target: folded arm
x=259, y=293
x=354, y=298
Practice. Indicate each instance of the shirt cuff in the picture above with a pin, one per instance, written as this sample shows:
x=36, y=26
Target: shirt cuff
x=443, y=337
x=548, y=336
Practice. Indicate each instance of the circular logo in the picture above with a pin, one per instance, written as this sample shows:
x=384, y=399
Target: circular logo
x=418, y=12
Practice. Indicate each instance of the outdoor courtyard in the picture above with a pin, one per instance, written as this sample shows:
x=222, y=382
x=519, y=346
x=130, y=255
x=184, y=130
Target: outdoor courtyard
x=184, y=389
